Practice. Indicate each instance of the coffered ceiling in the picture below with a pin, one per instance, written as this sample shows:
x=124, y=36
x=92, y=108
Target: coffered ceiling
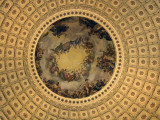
x=133, y=92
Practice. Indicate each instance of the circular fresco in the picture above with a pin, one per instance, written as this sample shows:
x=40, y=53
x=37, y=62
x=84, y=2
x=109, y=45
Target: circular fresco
x=75, y=57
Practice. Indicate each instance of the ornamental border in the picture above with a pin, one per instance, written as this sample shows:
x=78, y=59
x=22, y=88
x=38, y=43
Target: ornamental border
x=118, y=48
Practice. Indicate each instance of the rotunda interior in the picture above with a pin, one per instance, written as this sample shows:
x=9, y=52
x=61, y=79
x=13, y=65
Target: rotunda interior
x=80, y=59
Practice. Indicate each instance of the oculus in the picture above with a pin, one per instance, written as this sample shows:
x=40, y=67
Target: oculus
x=75, y=57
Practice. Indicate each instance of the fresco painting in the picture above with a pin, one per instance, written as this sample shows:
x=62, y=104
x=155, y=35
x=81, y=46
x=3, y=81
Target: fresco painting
x=75, y=57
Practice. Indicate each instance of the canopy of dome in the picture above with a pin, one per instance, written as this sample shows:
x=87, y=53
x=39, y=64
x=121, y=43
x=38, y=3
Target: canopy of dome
x=80, y=59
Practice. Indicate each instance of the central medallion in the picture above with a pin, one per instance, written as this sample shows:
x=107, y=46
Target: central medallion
x=75, y=57
x=72, y=60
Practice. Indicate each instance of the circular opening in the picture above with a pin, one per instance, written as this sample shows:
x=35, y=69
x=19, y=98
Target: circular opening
x=75, y=57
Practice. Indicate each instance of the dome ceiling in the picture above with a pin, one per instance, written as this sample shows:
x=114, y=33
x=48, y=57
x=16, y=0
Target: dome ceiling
x=34, y=28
